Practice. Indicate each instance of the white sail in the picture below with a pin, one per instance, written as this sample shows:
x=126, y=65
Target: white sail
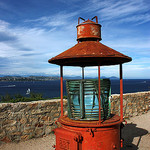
x=28, y=91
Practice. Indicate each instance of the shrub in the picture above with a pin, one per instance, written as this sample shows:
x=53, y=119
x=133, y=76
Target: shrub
x=19, y=98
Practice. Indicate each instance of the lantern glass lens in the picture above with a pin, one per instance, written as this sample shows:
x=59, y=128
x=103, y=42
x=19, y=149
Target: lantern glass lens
x=83, y=99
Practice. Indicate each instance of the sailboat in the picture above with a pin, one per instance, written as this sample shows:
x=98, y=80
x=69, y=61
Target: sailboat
x=28, y=91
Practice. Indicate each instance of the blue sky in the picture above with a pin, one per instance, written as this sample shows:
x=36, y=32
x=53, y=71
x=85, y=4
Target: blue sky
x=31, y=32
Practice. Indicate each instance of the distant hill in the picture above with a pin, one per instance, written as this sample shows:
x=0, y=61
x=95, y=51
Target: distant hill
x=113, y=78
x=30, y=78
x=47, y=78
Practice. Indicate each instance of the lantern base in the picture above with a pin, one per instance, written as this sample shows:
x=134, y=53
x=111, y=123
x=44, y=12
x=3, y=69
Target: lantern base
x=88, y=138
x=113, y=120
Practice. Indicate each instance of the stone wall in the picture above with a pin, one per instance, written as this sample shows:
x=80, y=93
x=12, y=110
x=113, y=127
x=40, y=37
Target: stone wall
x=23, y=121
x=133, y=104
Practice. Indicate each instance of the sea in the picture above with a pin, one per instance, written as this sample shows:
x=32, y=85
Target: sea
x=51, y=89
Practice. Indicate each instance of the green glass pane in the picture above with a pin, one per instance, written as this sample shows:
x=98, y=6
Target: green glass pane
x=83, y=99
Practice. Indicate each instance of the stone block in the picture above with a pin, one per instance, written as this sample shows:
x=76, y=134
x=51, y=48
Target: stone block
x=39, y=132
x=5, y=107
x=32, y=105
x=25, y=137
x=48, y=123
x=23, y=120
x=2, y=133
x=15, y=138
x=11, y=129
x=39, y=124
x=28, y=131
x=129, y=104
x=45, y=118
x=15, y=133
x=6, y=139
x=56, y=114
x=36, y=111
x=33, y=121
x=9, y=122
x=48, y=130
x=19, y=107
x=3, y=115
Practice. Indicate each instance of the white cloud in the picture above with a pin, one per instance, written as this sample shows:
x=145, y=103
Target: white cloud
x=3, y=25
x=120, y=11
x=50, y=35
x=140, y=18
x=59, y=19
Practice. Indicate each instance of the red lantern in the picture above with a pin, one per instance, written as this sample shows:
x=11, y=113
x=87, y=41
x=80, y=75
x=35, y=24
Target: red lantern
x=89, y=124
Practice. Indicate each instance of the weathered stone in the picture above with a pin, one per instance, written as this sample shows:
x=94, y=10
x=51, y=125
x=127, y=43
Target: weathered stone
x=39, y=125
x=48, y=130
x=39, y=132
x=56, y=114
x=48, y=123
x=25, y=137
x=33, y=105
x=6, y=139
x=3, y=115
x=5, y=107
x=23, y=120
x=130, y=104
x=11, y=128
x=36, y=112
x=9, y=122
x=28, y=131
x=33, y=121
x=27, y=125
x=15, y=133
x=15, y=138
x=45, y=118
x=2, y=133
x=19, y=107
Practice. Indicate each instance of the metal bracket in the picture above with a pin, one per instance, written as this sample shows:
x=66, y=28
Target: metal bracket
x=81, y=19
x=91, y=131
x=78, y=138
x=95, y=18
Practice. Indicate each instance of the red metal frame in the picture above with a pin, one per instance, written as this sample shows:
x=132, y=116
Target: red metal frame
x=82, y=72
x=89, y=134
x=99, y=97
x=121, y=94
x=99, y=94
x=74, y=138
x=95, y=124
x=61, y=89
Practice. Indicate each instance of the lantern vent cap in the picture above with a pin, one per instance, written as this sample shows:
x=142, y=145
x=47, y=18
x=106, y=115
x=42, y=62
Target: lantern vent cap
x=88, y=30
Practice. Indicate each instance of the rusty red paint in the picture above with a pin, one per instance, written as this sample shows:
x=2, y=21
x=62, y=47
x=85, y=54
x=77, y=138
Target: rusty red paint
x=79, y=123
x=121, y=143
x=121, y=94
x=88, y=29
x=99, y=93
x=89, y=53
x=61, y=89
x=75, y=138
x=87, y=135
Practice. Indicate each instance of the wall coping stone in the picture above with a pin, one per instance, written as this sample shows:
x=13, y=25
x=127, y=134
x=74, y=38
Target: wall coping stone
x=32, y=102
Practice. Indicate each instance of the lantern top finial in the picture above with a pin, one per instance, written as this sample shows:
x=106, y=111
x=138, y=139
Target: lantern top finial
x=89, y=51
x=88, y=30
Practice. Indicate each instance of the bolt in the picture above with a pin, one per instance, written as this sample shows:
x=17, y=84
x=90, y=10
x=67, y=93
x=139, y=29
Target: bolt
x=114, y=147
